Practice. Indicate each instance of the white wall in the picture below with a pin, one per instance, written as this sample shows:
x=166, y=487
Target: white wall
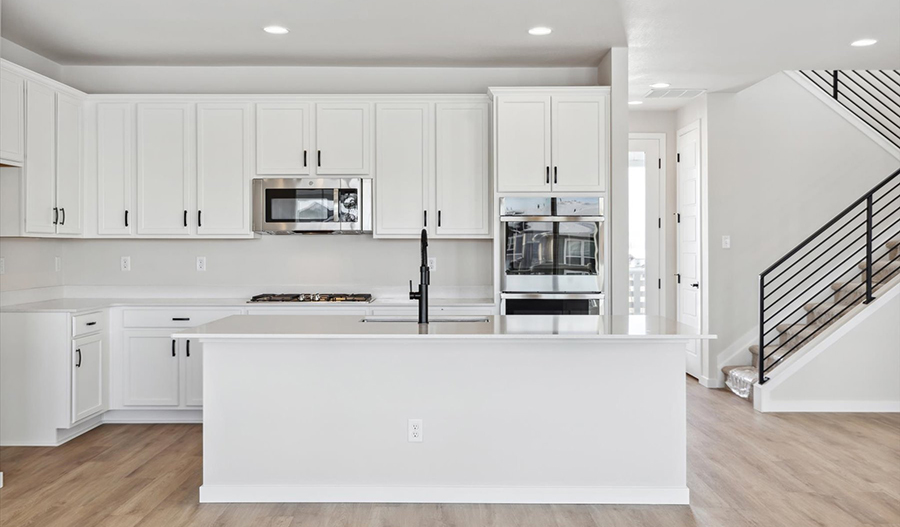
x=29, y=263
x=308, y=262
x=780, y=164
x=663, y=122
x=29, y=59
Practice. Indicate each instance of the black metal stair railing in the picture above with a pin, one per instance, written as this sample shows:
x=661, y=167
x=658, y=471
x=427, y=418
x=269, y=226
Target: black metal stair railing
x=873, y=96
x=838, y=267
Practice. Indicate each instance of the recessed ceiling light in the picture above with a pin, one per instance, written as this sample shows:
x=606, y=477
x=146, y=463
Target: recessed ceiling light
x=660, y=85
x=635, y=103
x=863, y=42
x=276, y=30
x=540, y=31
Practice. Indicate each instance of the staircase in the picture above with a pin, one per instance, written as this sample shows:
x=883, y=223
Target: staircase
x=819, y=283
x=873, y=96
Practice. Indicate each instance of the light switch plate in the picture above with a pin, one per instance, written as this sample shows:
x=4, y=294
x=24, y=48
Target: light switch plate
x=2, y=265
x=726, y=242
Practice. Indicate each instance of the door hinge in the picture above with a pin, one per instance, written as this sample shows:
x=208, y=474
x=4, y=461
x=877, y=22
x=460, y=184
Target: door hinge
x=678, y=158
x=678, y=217
x=678, y=276
x=660, y=163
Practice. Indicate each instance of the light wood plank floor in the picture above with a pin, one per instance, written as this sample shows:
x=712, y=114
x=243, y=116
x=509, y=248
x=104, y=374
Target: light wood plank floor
x=745, y=469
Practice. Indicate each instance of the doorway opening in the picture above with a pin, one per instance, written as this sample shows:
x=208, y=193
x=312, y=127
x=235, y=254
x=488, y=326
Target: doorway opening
x=646, y=224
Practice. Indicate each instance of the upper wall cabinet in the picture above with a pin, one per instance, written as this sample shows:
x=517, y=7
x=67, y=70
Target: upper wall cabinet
x=462, y=177
x=165, y=163
x=342, y=138
x=12, y=118
x=69, y=195
x=283, y=140
x=223, y=168
x=41, y=212
x=552, y=142
x=115, y=168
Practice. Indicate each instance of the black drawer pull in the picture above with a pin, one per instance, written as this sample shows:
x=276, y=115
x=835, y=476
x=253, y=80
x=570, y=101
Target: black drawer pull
x=319, y=152
x=173, y=347
x=180, y=319
x=78, y=362
x=55, y=216
x=187, y=347
x=91, y=324
x=304, y=158
x=199, y=218
x=185, y=218
x=126, y=218
x=62, y=213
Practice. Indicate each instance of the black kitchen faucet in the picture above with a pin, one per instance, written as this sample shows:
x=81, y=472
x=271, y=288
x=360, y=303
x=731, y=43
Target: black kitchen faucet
x=424, y=278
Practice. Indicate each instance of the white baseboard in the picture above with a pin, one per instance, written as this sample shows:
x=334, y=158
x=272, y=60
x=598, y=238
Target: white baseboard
x=832, y=406
x=708, y=382
x=351, y=494
x=153, y=416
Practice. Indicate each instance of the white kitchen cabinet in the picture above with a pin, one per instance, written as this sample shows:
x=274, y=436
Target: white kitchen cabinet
x=12, y=118
x=88, y=377
x=283, y=138
x=41, y=212
x=552, y=141
x=151, y=368
x=342, y=138
x=115, y=168
x=523, y=143
x=224, y=143
x=193, y=373
x=69, y=197
x=403, y=167
x=580, y=138
x=462, y=177
x=165, y=165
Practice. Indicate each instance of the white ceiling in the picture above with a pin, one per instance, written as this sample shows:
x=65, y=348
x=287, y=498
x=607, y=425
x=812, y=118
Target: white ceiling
x=727, y=45
x=323, y=32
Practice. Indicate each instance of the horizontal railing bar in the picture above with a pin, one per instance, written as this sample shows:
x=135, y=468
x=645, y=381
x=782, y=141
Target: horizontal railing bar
x=816, y=307
x=873, y=97
x=888, y=277
x=886, y=205
x=887, y=138
x=876, y=88
x=849, y=246
x=886, y=194
x=886, y=228
x=863, y=110
x=800, y=259
x=830, y=223
x=888, y=77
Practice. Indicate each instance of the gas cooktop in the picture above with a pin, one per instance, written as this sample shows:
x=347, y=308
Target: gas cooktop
x=311, y=297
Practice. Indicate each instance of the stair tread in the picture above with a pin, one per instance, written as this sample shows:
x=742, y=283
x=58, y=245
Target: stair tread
x=893, y=243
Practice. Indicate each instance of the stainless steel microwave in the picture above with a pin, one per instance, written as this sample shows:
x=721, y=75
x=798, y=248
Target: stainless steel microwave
x=312, y=205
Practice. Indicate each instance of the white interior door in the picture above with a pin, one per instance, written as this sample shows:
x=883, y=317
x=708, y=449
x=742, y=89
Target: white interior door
x=689, y=240
x=646, y=233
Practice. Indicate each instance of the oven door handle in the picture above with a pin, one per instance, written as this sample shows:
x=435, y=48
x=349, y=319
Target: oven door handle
x=337, y=204
x=552, y=296
x=560, y=219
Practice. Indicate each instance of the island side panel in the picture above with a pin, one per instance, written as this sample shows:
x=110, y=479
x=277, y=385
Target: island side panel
x=565, y=421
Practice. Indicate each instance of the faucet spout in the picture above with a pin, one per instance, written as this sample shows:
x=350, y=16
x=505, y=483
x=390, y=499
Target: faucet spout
x=424, y=279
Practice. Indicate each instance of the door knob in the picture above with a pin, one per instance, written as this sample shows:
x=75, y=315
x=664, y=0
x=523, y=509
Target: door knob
x=696, y=285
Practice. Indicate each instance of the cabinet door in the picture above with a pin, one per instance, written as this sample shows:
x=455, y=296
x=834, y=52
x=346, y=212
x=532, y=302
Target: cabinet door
x=342, y=138
x=41, y=214
x=68, y=164
x=12, y=117
x=580, y=139
x=115, y=168
x=164, y=168
x=523, y=143
x=461, y=171
x=223, y=168
x=403, y=167
x=151, y=369
x=87, y=377
x=193, y=373
x=282, y=138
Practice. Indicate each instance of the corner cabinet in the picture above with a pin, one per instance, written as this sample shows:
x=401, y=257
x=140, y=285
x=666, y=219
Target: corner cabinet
x=431, y=169
x=12, y=118
x=552, y=141
x=115, y=168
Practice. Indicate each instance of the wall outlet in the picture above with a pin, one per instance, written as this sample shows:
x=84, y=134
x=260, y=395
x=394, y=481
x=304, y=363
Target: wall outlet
x=432, y=264
x=57, y=262
x=414, y=431
x=126, y=263
x=201, y=263
x=726, y=242
x=2, y=265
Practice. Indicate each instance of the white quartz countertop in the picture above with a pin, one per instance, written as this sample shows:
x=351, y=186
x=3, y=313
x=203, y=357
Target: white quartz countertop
x=80, y=305
x=266, y=327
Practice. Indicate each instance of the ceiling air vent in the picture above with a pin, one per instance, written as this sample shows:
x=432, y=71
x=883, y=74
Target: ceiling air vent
x=673, y=93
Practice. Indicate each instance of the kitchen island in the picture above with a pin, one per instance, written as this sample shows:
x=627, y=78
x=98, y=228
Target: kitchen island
x=505, y=409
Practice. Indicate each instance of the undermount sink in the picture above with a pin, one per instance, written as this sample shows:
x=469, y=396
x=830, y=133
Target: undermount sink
x=431, y=320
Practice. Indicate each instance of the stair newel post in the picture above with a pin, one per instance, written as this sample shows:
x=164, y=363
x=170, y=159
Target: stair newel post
x=869, y=268
x=834, y=84
x=761, y=361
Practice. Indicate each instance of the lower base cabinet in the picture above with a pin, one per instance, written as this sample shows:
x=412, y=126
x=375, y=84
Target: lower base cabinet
x=88, y=374
x=193, y=373
x=161, y=371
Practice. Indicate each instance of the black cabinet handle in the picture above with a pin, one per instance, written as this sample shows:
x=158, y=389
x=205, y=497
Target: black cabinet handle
x=548, y=174
x=320, y=157
x=173, y=347
x=187, y=347
x=185, y=218
x=180, y=319
x=62, y=213
x=555, y=179
x=439, y=218
x=304, y=158
x=126, y=217
x=199, y=218
x=425, y=217
x=91, y=324
x=78, y=361
x=55, y=216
